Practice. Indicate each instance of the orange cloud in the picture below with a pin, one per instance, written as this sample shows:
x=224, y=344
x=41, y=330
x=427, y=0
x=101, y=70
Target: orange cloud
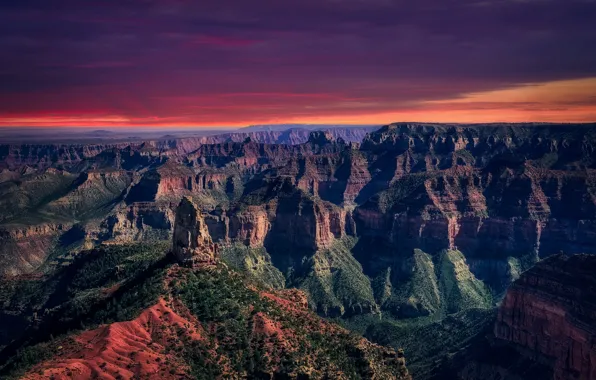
x=556, y=101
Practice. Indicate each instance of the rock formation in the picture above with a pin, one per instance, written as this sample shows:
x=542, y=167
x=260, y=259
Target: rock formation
x=192, y=242
x=141, y=221
x=550, y=312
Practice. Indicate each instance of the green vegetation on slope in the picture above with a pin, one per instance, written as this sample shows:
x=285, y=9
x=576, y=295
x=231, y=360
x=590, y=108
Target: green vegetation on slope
x=115, y=283
x=223, y=302
x=20, y=198
x=432, y=309
x=430, y=286
x=92, y=195
x=255, y=262
x=428, y=343
x=461, y=289
x=418, y=295
x=334, y=281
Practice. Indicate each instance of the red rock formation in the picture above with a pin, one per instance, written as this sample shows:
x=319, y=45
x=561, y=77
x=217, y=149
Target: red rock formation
x=192, y=242
x=550, y=311
x=491, y=217
x=306, y=223
x=250, y=226
x=165, y=340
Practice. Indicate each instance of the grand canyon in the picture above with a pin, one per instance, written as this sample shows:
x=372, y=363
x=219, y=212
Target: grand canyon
x=298, y=190
x=410, y=250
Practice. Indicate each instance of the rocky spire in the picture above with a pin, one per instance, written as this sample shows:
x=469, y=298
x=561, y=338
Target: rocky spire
x=192, y=241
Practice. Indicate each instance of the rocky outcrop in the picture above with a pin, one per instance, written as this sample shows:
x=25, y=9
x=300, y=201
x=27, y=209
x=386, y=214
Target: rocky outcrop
x=295, y=218
x=550, y=312
x=308, y=223
x=125, y=349
x=141, y=221
x=496, y=212
x=250, y=227
x=192, y=242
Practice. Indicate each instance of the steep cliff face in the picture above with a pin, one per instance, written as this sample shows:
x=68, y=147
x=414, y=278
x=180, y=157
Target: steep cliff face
x=550, y=312
x=294, y=234
x=250, y=227
x=192, y=242
x=504, y=196
x=307, y=223
x=278, y=211
x=172, y=181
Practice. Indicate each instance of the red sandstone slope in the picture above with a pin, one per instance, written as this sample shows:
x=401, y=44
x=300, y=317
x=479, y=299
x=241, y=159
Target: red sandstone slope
x=156, y=344
x=125, y=350
x=551, y=312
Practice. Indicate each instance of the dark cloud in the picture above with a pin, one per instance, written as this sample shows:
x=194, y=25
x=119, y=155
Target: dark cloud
x=377, y=55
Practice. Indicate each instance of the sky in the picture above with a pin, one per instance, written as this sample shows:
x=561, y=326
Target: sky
x=239, y=62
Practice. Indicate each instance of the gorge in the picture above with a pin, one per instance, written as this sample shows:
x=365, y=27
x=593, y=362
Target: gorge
x=435, y=238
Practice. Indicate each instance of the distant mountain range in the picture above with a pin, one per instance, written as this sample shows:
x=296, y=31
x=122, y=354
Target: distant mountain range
x=70, y=135
x=308, y=127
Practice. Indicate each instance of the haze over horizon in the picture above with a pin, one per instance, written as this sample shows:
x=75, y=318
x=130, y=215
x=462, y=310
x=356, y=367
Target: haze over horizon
x=181, y=63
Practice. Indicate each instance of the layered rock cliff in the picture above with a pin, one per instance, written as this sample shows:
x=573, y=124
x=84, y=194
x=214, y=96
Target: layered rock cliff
x=503, y=195
x=550, y=312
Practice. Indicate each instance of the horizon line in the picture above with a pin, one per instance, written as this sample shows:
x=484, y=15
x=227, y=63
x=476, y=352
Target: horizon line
x=232, y=127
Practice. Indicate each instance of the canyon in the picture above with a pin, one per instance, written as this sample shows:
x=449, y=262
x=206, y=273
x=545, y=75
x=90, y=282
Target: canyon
x=550, y=312
x=184, y=313
x=393, y=232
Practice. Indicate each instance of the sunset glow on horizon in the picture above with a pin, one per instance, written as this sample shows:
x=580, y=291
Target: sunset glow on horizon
x=184, y=64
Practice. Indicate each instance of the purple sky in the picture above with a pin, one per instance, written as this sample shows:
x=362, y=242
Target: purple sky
x=232, y=62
